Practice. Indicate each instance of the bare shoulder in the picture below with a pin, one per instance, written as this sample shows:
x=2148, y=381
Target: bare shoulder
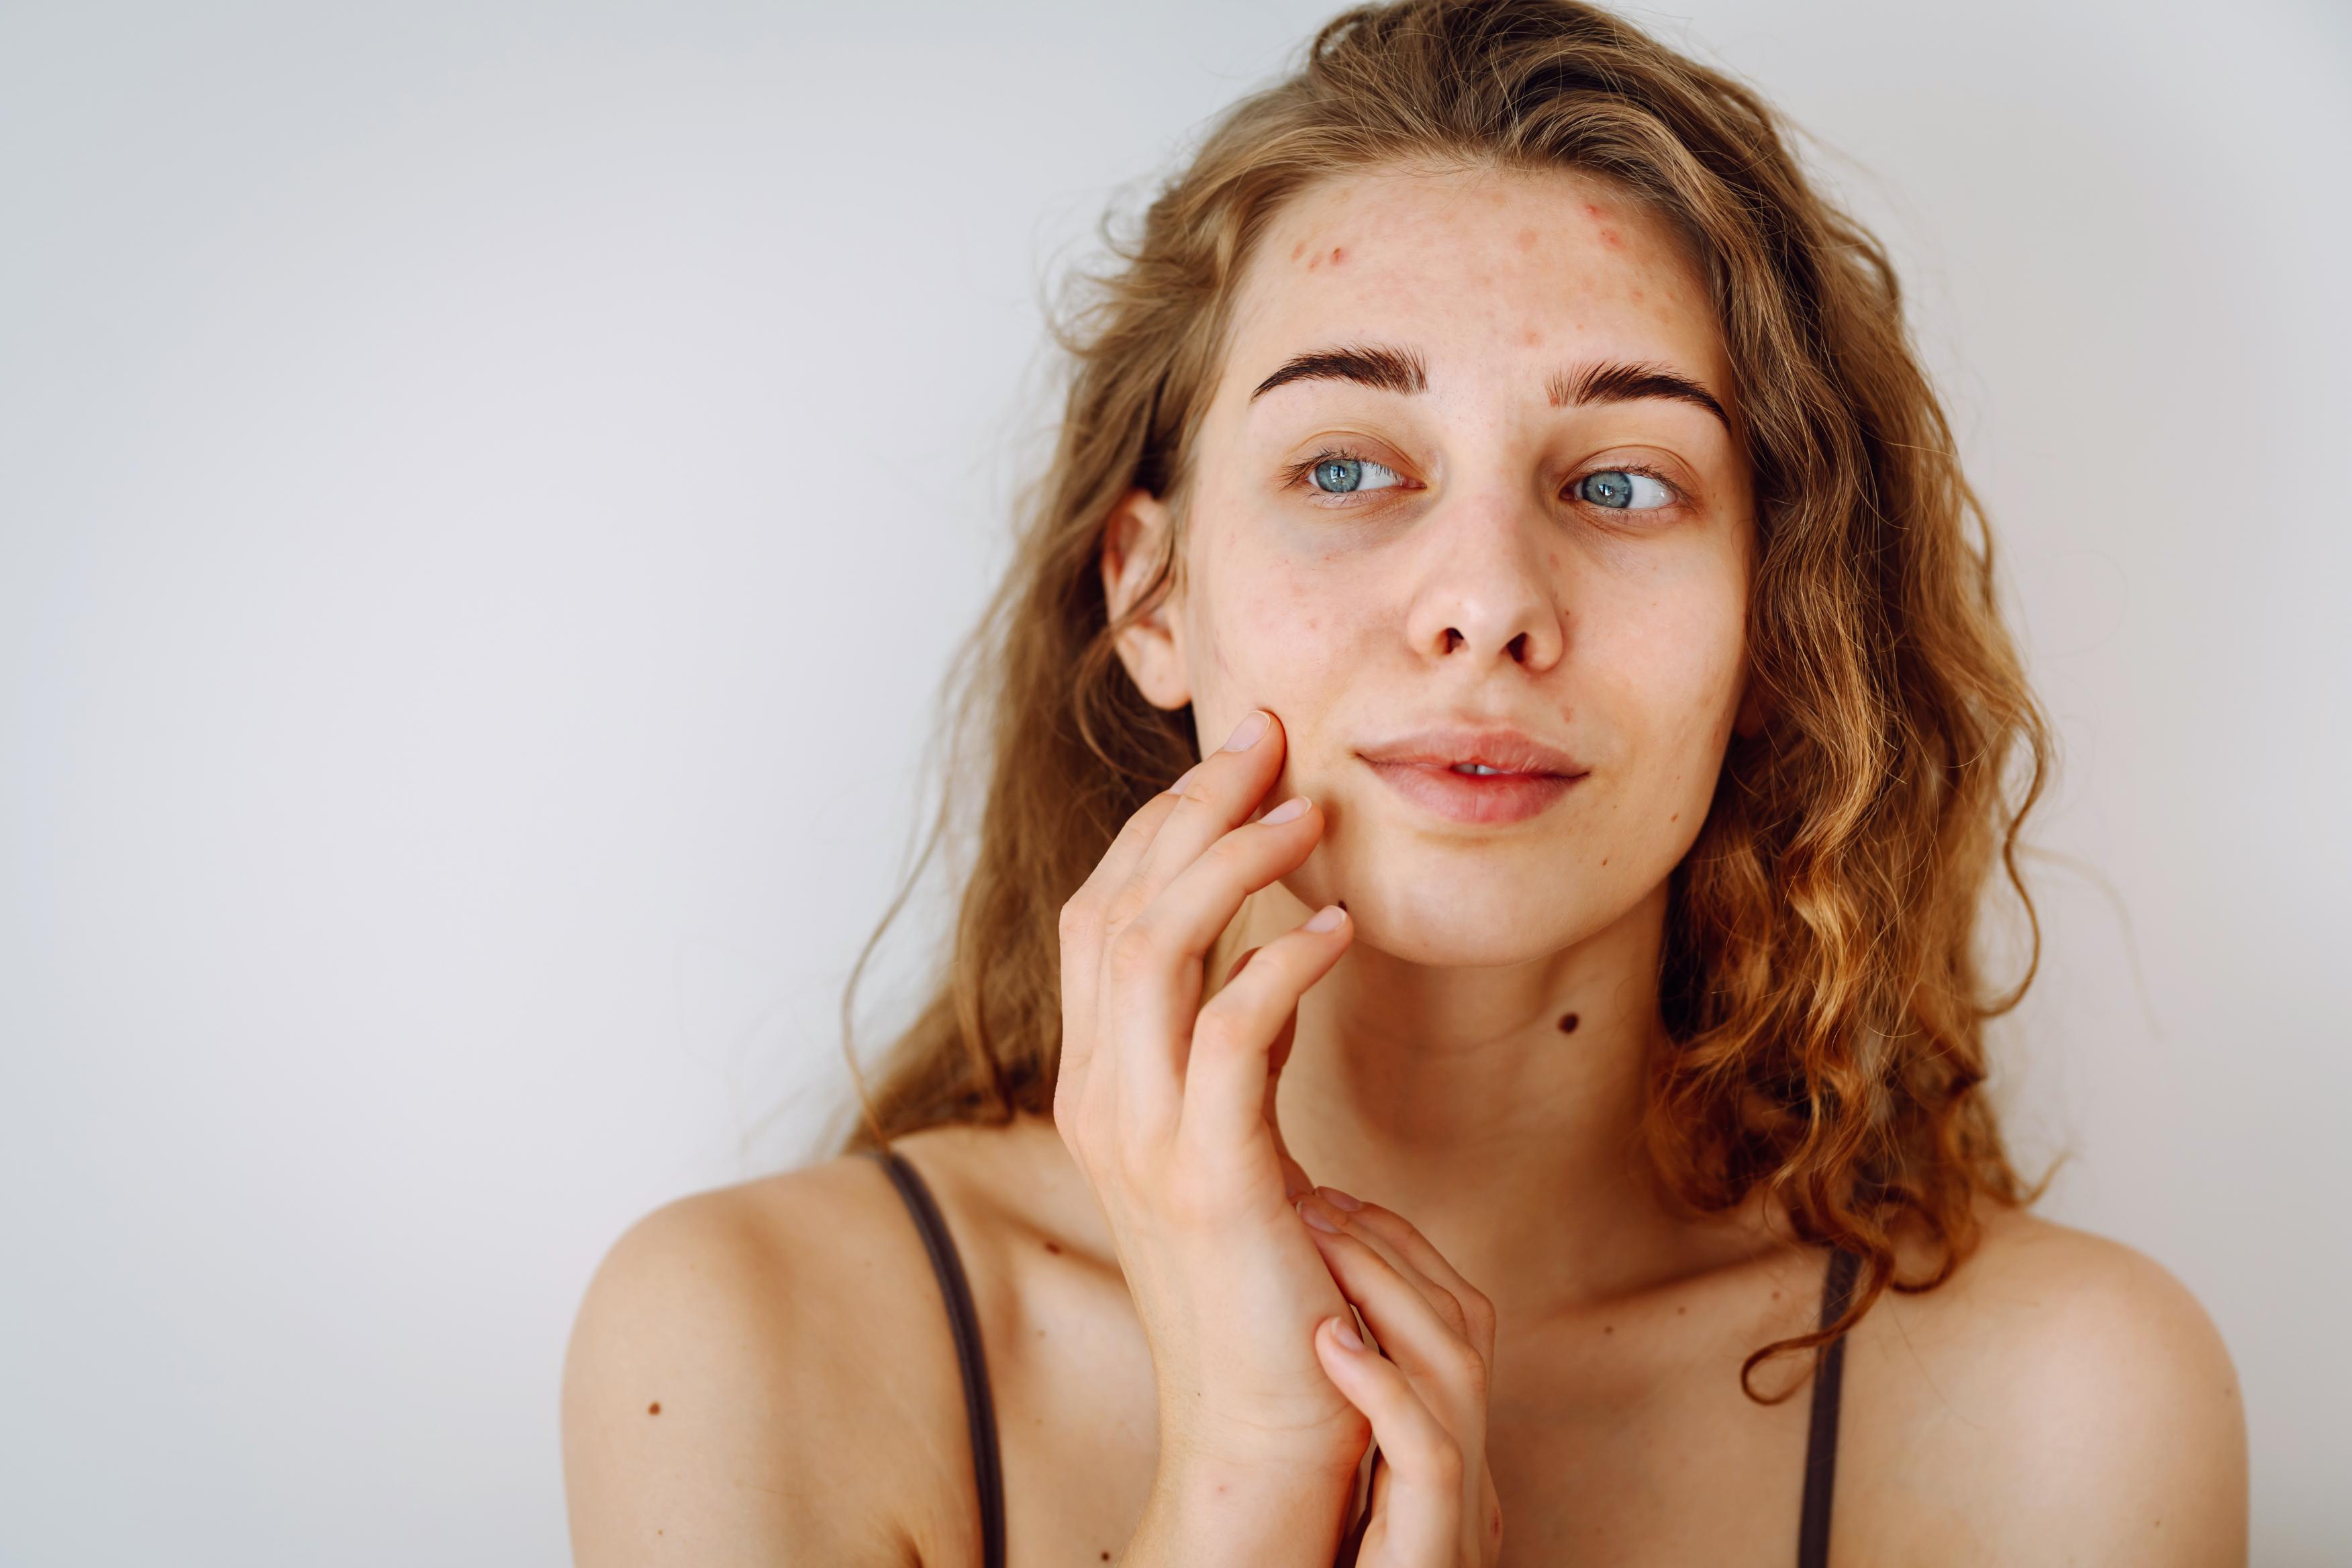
x=2061, y=1398
x=757, y=1375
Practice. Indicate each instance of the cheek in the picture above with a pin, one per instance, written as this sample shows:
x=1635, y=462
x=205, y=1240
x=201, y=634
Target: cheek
x=1672, y=669
x=1269, y=628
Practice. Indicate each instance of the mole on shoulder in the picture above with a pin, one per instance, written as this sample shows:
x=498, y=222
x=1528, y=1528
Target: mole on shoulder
x=654, y=1408
x=1568, y=1022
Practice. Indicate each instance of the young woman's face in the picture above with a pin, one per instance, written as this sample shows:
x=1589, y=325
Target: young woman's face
x=1467, y=518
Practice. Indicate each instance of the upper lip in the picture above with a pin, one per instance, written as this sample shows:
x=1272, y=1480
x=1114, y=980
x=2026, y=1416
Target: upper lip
x=1503, y=750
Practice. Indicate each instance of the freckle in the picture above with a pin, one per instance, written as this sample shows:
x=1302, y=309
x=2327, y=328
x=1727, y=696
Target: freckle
x=1532, y=337
x=1339, y=254
x=1676, y=818
x=1054, y=1247
x=1568, y=1022
x=1608, y=1327
x=1775, y=1295
x=1682, y=1311
x=654, y=1408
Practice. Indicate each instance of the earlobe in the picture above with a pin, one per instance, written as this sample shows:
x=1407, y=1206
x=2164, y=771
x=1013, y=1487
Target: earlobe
x=1136, y=540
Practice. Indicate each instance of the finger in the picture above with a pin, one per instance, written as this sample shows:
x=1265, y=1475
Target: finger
x=1406, y=1245
x=1152, y=967
x=1082, y=921
x=1422, y=1519
x=1441, y=1360
x=1221, y=792
x=1234, y=1036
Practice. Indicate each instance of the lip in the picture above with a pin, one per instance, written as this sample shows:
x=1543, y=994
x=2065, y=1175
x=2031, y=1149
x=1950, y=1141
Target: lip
x=1530, y=777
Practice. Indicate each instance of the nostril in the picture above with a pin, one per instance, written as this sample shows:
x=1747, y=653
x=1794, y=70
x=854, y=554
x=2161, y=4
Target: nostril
x=1451, y=640
x=1518, y=649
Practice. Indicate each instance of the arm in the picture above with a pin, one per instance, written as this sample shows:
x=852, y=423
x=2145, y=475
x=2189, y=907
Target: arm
x=714, y=1392
x=2061, y=1400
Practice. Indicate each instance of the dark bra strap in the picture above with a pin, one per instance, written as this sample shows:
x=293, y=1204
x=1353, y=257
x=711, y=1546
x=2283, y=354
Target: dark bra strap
x=1820, y=1443
x=979, y=1405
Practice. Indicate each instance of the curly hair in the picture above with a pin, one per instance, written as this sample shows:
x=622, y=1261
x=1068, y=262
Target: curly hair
x=1819, y=984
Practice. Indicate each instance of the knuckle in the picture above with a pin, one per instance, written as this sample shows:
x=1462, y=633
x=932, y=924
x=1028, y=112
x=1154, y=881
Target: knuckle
x=1132, y=950
x=1079, y=919
x=1469, y=1370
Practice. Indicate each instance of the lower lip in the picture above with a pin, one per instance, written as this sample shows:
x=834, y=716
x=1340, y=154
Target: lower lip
x=1475, y=797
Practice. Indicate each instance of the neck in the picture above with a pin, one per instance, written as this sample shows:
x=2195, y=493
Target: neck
x=1465, y=1100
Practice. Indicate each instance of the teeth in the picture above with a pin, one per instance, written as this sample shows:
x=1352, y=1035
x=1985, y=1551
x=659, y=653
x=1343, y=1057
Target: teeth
x=1475, y=770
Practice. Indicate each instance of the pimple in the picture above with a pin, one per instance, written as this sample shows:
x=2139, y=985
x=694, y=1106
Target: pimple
x=1339, y=254
x=1298, y=250
x=1609, y=238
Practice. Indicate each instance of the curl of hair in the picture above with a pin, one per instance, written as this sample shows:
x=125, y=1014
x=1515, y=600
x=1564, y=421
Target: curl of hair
x=1818, y=985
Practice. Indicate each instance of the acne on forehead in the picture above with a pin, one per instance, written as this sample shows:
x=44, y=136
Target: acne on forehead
x=1340, y=235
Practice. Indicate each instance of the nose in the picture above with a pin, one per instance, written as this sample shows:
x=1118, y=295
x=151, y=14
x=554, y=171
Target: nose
x=1485, y=595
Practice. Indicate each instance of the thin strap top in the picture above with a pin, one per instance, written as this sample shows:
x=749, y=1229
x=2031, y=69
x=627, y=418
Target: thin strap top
x=980, y=1408
x=963, y=1322
x=1820, y=1441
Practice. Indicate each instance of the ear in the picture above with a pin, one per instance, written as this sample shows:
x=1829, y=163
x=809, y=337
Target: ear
x=1135, y=539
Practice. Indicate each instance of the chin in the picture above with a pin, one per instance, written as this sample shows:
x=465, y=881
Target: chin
x=1456, y=915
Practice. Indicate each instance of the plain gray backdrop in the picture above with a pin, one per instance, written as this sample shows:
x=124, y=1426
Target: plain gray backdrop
x=487, y=491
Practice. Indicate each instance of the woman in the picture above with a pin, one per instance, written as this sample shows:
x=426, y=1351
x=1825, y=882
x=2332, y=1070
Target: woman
x=1501, y=489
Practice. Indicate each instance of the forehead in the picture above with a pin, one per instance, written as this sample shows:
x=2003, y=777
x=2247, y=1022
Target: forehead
x=1485, y=273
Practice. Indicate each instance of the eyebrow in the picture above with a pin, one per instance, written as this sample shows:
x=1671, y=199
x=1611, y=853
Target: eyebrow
x=1403, y=370
x=1614, y=381
x=1392, y=370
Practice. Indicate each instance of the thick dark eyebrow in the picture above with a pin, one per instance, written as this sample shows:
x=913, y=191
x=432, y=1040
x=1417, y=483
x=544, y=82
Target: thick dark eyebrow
x=1392, y=370
x=1620, y=383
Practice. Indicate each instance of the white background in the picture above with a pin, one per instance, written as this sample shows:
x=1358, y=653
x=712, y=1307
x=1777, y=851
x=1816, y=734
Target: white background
x=487, y=490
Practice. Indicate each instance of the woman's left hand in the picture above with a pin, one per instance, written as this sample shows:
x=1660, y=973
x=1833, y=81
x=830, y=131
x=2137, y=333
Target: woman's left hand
x=1424, y=1389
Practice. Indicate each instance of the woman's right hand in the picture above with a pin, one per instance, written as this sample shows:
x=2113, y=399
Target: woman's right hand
x=1167, y=1107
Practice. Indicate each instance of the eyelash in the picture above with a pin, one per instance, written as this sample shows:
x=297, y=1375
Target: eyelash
x=1295, y=475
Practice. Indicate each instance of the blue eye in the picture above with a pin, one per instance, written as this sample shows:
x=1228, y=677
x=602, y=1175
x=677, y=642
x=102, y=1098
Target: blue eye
x=1622, y=491
x=1339, y=476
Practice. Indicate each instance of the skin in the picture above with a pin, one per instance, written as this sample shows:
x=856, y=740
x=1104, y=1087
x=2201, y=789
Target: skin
x=1159, y=1292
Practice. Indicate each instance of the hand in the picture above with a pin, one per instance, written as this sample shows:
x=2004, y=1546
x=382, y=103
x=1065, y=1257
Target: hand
x=1433, y=1503
x=1167, y=1107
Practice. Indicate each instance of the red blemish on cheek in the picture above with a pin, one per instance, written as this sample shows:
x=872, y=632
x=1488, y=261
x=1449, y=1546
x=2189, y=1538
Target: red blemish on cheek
x=1531, y=337
x=1637, y=296
x=1339, y=254
x=1298, y=250
x=1527, y=239
x=1609, y=238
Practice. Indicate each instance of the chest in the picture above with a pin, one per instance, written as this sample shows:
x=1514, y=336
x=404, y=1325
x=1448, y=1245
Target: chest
x=1634, y=1450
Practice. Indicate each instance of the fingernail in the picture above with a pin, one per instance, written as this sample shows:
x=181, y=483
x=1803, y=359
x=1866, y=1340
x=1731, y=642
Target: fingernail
x=1339, y=1200
x=1290, y=810
x=1345, y=1333
x=1183, y=779
x=1327, y=917
x=1248, y=732
x=1313, y=1214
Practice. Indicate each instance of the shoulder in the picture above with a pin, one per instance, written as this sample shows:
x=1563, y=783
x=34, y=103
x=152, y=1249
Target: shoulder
x=743, y=1363
x=2060, y=1398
